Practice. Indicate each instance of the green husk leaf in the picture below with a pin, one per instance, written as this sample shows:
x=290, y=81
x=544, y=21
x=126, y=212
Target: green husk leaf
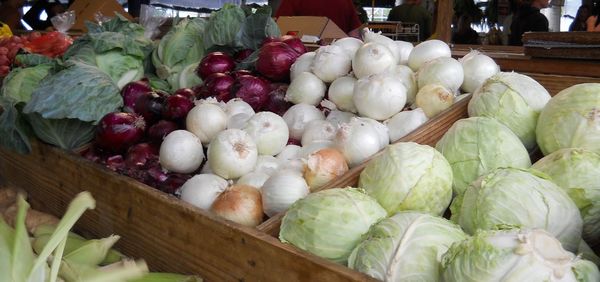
x=22, y=255
x=167, y=277
x=93, y=252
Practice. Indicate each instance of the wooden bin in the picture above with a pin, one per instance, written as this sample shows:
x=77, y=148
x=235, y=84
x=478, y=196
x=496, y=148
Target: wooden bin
x=174, y=236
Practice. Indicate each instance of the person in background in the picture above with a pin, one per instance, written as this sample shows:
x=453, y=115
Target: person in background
x=10, y=13
x=464, y=33
x=411, y=11
x=593, y=21
x=32, y=17
x=360, y=11
x=528, y=18
x=341, y=12
x=579, y=23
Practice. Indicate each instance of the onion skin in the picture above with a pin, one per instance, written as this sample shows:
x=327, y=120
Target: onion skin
x=213, y=63
x=241, y=204
x=324, y=166
x=176, y=107
x=158, y=131
x=251, y=90
x=131, y=92
x=118, y=131
x=295, y=43
x=275, y=60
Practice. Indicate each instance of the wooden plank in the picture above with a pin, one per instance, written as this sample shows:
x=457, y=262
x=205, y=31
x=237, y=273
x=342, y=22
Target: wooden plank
x=168, y=233
x=576, y=37
x=443, y=20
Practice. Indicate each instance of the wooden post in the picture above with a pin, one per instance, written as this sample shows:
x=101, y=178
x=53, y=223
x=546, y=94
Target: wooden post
x=443, y=20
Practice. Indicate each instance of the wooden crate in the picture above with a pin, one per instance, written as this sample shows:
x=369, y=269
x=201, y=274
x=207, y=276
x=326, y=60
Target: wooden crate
x=174, y=236
x=568, y=45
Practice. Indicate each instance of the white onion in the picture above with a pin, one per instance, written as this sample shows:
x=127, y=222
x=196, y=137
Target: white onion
x=315, y=146
x=323, y=166
x=306, y=88
x=338, y=117
x=238, y=121
x=302, y=64
x=206, y=169
x=254, y=179
x=357, y=140
x=404, y=48
x=379, y=96
x=349, y=44
x=404, y=123
x=382, y=131
x=289, y=153
x=408, y=78
x=427, y=51
x=203, y=189
x=206, y=120
x=372, y=58
x=232, y=154
x=269, y=131
x=181, y=151
x=376, y=37
x=238, y=106
x=433, y=99
x=318, y=131
x=281, y=190
x=446, y=72
x=266, y=164
x=477, y=68
x=331, y=62
x=298, y=116
x=241, y=204
x=341, y=92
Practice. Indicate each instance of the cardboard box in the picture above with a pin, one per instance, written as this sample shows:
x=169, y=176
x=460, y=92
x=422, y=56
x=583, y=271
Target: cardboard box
x=306, y=27
x=86, y=9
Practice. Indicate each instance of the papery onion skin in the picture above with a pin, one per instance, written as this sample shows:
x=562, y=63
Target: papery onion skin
x=330, y=63
x=434, y=99
x=306, y=88
x=241, y=204
x=340, y=93
x=357, y=140
x=281, y=190
x=181, y=151
x=298, y=116
x=275, y=59
x=206, y=121
x=427, y=51
x=379, y=96
x=324, y=166
x=202, y=190
x=232, y=154
x=372, y=58
x=213, y=63
x=269, y=131
x=302, y=64
x=118, y=131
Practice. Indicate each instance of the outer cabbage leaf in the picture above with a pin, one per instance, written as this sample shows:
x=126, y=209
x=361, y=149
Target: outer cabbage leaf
x=256, y=28
x=80, y=91
x=409, y=176
x=406, y=247
x=116, y=24
x=571, y=120
x=587, y=253
x=68, y=134
x=121, y=68
x=330, y=223
x=577, y=171
x=14, y=130
x=508, y=197
x=477, y=145
x=514, y=255
x=30, y=60
x=514, y=100
x=20, y=82
x=223, y=26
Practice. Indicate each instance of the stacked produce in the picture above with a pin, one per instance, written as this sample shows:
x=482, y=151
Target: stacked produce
x=55, y=254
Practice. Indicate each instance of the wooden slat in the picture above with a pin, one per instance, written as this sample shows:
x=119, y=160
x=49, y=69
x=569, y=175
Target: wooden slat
x=168, y=233
x=576, y=37
x=443, y=20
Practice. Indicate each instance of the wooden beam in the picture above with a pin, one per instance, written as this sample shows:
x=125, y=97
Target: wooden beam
x=443, y=20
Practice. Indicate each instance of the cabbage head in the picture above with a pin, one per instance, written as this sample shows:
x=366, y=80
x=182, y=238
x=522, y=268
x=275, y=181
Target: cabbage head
x=577, y=171
x=406, y=247
x=122, y=68
x=571, y=120
x=330, y=223
x=409, y=176
x=477, y=145
x=514, y=100
x=509, y=198
x=20, y=82
x=515, y=255
x=179, y=52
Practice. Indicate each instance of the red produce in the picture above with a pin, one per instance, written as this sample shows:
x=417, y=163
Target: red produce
x=139, y=154
x=176, y=107
x=252, y=90
x=217, y=84
x=131, y=92
x=158, y=131
x=274, y=61
x=213, y=63
x=243, y=54
x=187, y=92
x=295, y=43
x=118, y=131
x=276, y=102
x=150, y=106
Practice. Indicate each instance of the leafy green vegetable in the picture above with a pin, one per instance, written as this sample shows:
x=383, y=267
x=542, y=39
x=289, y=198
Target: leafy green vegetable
x=14, y=130
x=30, y=60
x=223, y=26
x=80, y=91
x=256, y=28
x=116, y=24
x=157, y=83
x=509, y=197
x=20, y=82
x=68, y=134
x=405, y=247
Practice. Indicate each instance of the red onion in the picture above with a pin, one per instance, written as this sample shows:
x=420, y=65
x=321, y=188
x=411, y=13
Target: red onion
x=174, y=182
x=215, y=62
x=150, y=106
x=270, y=39
x=293, y=141
x=187, y=92
x=115, y=163
x=276, y=102
x=238, y=73
x=216, y=84
x=252, y=90
x=243, y=54
x=158, y=131
x=139, y=154
x=274, y=61
x=131, y=92
x=176, y=107
x=295, y=43
x=118, y=131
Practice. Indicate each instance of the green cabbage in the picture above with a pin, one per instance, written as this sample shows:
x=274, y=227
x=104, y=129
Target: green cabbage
x=409, y=176
x=571, y=120
x=330, y=223
x=120, y=67
x=513, y=99
x=477, y=145
x=508, y=198
x=577, y=171
x=587, y=253
x=20, y=82
x=406, y=247
x=515, y=255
